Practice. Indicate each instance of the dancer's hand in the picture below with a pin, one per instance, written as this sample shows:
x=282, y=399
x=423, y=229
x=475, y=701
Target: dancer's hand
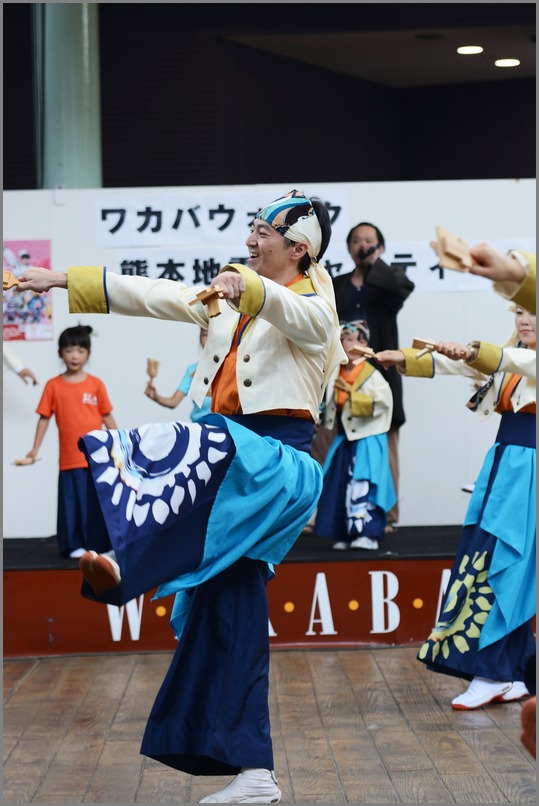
x=231, y=283
x=391, y=358
x=150, y=391
x=454, y=350
x=40, y=280
x=490, y=263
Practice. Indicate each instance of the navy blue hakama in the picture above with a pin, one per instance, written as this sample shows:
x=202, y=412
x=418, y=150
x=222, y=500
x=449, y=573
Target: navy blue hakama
x=205, y=511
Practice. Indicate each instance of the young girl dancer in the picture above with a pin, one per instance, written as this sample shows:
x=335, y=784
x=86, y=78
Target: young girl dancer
x=358, y=487
x=80, y=403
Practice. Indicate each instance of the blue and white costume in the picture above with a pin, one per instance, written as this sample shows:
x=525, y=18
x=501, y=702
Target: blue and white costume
x=206, y=510
x=485, y=625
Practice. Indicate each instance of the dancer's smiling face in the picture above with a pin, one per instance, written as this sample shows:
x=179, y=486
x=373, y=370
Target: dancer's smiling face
x=525, y=325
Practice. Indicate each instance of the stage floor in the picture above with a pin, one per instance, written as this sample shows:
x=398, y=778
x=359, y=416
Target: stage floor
x=352, y=726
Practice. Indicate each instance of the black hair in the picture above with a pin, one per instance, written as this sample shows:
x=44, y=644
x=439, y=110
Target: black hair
x=322, y=214
x=324, y=220
x=78, y=336
x=379, y=236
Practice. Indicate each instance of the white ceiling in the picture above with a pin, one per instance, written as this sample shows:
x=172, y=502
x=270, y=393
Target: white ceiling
x=408, y=58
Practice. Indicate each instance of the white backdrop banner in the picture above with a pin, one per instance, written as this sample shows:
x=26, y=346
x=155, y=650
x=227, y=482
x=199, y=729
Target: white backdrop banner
x=211, y=227
x=188, y=237
x=206, y=218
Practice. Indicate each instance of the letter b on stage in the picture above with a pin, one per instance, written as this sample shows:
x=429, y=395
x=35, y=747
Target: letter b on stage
x=385, y=613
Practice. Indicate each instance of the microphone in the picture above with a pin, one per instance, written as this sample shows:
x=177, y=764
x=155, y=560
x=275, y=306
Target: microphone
x=364, y=253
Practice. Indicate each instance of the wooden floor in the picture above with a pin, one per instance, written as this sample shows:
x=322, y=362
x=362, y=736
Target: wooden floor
x=349, y=726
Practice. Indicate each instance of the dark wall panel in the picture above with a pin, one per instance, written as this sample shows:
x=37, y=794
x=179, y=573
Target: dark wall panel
x=284, y=120
x=213, y=112
x=181, y=105
x=470, y=131
x=19, y=152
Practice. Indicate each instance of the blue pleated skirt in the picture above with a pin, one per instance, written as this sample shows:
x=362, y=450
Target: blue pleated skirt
x=485, y=623
x=367, y=460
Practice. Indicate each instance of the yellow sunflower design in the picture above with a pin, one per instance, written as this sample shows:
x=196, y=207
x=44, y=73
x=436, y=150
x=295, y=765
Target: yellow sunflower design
x=465, y=609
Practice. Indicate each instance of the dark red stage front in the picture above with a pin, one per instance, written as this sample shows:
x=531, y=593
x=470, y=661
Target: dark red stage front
x=318, y=598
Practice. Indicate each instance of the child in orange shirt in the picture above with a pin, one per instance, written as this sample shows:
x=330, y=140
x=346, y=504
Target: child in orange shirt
x=80, y=404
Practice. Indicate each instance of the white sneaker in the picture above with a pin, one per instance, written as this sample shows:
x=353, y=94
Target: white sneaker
x=518, y=691
x=341, y=545
x=250, y=786
x=480, y=692
x=76, y=553
x=364, y=543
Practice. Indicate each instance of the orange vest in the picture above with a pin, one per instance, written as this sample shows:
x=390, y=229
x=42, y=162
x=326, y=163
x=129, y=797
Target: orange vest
x=504, y=403
x=349, y=376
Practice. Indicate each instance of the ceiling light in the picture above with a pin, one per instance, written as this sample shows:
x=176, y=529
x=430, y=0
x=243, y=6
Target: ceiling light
x=468, y=50
x=507, y=62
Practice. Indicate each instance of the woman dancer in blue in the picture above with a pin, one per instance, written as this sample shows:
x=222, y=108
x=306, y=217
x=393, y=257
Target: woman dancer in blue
x=207, y=509
x=358, y=488
x=484, y=632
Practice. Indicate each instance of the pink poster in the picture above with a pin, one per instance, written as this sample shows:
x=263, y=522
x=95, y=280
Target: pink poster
x=27, y=316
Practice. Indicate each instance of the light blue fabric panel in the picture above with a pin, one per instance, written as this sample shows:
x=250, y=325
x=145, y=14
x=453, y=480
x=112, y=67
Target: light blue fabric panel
x=510, y=515
x=372, y=464
x=198, y=413
x=266, y=498
x=187, y=379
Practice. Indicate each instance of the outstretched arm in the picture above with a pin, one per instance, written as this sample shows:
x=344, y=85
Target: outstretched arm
x=170, y=402
x=92, y=289
x=391, y=358
x=448, y=358
x=306, y=320
x=490, y=263
x=40, y=280
x=456, y=351
x=512, y=275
